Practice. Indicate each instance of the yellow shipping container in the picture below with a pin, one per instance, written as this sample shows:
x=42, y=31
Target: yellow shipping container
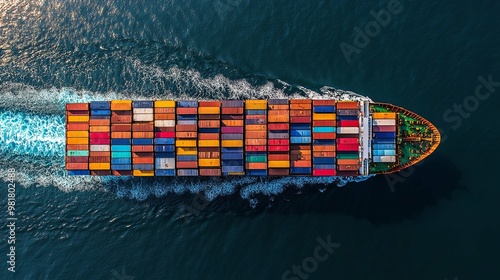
x=77, y=141
x=78, y=118
x=209, y=110
x=99, y=166
x=165, y=104
x=185, y=143
x=121, y=105
x=324, y=117
x=143, y=173
x=77, y=133
x=278, y=164
x=208, y=143
x=208, y=162
x=389, y=115
x=187, y=151
x=256, y=104
x=232, y=143
x=236, y=173
x=99, y=128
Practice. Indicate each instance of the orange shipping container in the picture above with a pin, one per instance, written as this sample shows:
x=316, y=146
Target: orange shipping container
x=324, y=135
x=99, y=128
x=300, y=152
x=184, y=134
x=164, y=116
x=142, y=148
x=141, y=134
x=280, y=118
x=300, y=147
x=99, y=154
x=324, y=102
x=214, y=155
x=143, y=160
x=121, y=105
x=323, y=148
x=256, y=165
x=77, y=166
x=301, y=106
x=232, y=122
x=77, y=147
x=300, y=101
x=100, y=122
x=323, y=154
x=255, y=127
x=256, y=134
x=77, y=126
x=186, y=127
x=348, y=161
x=278, y=107
x=208, y=124
x=300, y=113
x=255, y=142
x=164, y=110
x=347, y=105
x=301, y=163
x=209, y=136
x=121, y=134
x=278, y=113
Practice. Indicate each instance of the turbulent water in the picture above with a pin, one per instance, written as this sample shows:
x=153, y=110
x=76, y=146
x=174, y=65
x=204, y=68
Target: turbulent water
x=434, y=221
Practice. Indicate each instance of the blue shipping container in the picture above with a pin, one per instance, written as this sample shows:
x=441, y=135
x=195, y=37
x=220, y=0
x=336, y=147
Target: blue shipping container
x=323, y=160
x=121, y=141
x=121, y=167
x=232, y=156
x=301, y=170
x=256, y=172
x=78, y=172
x=165, y=172
x=142, y=141
x=100, y=105
x=324, y=129
x=144, y=166
x=185, y=103
x=187, y=158
x=100, y=112
x=300, y=140
x=165, y=155
x=121, y=161
x=324, y=109
x=142, y=104
x=164, y=141
x=232, y=168
x=384, y=146
x=164, y=148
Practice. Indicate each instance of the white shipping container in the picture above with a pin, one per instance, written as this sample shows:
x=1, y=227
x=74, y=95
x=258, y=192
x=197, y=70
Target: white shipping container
x=384, y=159
x=143, y=117
x=164, y=123
x=165, y=163
x=348, y=130
x=143, y=110
x=100, y=148
x=187, y=122
x=384, y=122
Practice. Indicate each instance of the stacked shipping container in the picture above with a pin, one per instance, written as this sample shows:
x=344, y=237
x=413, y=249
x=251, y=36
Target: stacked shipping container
x=186, y=134
x=256, y=137
x=324, y=135
x=348, y=162
x=121, y=134
x=300, y=137
x=232, y=137
x=100, y=138
x=384, y=137
x=209, y=138
x=164, y=126
x=278, y=137
x=77, y=138
x=143, y=138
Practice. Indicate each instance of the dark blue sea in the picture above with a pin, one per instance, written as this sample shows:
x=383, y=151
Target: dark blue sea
x=438, y=220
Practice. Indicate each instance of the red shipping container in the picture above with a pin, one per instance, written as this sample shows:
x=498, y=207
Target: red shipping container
x=77, y=159
x=77, y=126
x=165, y=134
x=348, y=123
x=115, y=118
x=324, y=154
x=208, y=136
x=187, y=111
x=210, y=172
x=121, y=127
x=255, y=148
x=209, y=103
x=347, y=147
x=100, y=173
x=279, y=142
x=279, y=156
x=324, y=135
x=100, y=154
x=143, y=160
x=278, y=126
x=187, y=164
x=77, y=106
x=77, y=166
x=324, y=102
x=142, y=126
x=279, y=148
x=300, y=119
x=122, y=172
x=324, y=123
x=164, y=129
x=347, y=105
x=209, y=117
x=348, y=141
x=77, y=147
x=232, y=111
x=209, y=149
x=296, y=157
x=324, y=172
x=100, y=141
x=384, y=128
x=300, y=113
x=164, y=116
x=164, y=110
x=77, y=113
x=142, y=148
x=279, y=172
x=99, y=159
x=300, y=147
x=186, y=127
x=100, y=135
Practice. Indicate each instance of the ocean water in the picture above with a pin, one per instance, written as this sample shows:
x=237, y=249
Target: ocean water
x=437, y=220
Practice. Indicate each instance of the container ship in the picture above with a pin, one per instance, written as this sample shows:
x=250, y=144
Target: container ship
x=274, y=137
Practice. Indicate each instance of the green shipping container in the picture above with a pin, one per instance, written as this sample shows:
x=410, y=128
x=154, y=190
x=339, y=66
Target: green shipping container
x=76, y=153
x=347, y=156
x=256, y=158
x=121, y=155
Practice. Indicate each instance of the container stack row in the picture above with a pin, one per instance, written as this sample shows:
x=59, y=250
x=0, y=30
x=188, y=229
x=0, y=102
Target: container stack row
x=143, y=138
x=256, y=137
x=324, y=138
x=232, y=129
x=384, y=137
x=77, y=138
x=348, y=162
x=121, y=137
x=209, y=154
x=186, y=135
x=100, y=138
x=164, y=142
x=300, y=137
x=278, y=137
